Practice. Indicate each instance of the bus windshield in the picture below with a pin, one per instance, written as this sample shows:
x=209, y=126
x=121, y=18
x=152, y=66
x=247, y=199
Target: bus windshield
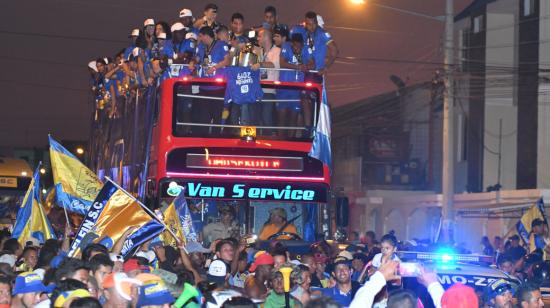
x=285, y=112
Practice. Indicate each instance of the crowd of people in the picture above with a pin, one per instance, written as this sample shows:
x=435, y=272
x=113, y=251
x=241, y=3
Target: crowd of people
x=208, y=48
x=232, y=271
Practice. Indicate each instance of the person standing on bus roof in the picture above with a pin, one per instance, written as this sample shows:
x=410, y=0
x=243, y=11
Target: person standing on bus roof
x=320, y=42
x=209, y=18
x=277, y=223
x=212, y=56
x=269, y=59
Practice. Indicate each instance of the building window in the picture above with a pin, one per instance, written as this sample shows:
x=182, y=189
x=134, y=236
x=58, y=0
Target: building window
x=528, y=7
x=477, y=24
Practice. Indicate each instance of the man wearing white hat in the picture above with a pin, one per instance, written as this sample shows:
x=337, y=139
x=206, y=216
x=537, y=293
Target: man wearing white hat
x=133, y=38
x=186, y=18
x=149, y=31
x=183, y=48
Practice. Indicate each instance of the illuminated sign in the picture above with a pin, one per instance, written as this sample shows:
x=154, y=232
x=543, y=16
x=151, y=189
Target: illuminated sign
x=242, y=162
x=8, y=182
x=255, y=191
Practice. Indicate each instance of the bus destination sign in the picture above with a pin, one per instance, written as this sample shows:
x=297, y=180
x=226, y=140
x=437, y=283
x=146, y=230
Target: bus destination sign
x=244, y=162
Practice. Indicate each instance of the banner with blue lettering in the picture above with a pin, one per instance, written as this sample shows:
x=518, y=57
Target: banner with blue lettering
x=243, y=85
x=115, y=214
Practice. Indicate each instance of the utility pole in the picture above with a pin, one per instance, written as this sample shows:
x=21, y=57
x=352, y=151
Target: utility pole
x=447, y=211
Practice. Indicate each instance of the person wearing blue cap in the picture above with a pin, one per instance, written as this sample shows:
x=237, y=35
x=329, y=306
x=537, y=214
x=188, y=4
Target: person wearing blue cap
x=499, y=294
x=27, y=290
x=154, y=294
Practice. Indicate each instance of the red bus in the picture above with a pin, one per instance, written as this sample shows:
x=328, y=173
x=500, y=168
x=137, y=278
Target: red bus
x=254, y=167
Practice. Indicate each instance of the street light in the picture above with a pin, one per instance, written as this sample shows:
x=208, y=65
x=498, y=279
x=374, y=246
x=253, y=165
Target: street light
x=79, y=151
x=357, y=1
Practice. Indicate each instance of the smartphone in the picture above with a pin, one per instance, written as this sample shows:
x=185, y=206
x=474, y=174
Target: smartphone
x=409, y=269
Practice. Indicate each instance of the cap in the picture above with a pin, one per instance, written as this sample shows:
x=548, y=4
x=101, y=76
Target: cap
x=193, y=246
x=32, y=241
x=320, y=21
x=496, y=288
x=9, y=259
x=177, y=26
x=93, y=65
x=191, y=35
x=161, y=36
x=154, y=293
x=67, y=295
x=217, y=271
x=186, y=13
x=346, y=255
x=279, y=212
x=28, y=282
x=341, y=260
x=149, y=255
x=133, y=265
x=459, y=295
x=134, y=33
x=122, y=284
x=262, y=259
x=149, y=22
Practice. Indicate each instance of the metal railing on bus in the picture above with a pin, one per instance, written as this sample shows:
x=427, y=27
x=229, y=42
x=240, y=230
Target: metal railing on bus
x=315, y=109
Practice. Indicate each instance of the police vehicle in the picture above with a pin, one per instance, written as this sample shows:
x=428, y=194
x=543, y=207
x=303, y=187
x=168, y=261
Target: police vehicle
x=472, y=270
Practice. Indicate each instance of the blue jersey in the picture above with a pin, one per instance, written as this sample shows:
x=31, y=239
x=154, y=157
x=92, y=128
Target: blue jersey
x=243, y=85
x=188, y=46
x=317, y=42
x=128, y=51
x=211, y=57
x=241, y=39
x=301, y=58
x=300, y=30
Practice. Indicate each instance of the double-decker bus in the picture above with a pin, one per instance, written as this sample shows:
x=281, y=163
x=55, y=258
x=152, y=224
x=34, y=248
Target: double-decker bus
x=254, y=168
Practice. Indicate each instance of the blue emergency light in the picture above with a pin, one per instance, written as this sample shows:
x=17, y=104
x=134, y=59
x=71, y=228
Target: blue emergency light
x=445, y=257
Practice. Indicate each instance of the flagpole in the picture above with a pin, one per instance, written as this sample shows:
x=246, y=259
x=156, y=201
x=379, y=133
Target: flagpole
x=143, y=206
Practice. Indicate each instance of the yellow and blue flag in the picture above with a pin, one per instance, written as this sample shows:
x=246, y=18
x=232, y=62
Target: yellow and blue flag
x=31, y=218
x=76, y=186
x=523, y=226
x=177, y=217
x=112, y=213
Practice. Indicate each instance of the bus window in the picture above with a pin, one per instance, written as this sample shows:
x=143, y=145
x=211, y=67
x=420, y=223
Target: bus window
x=286, y=112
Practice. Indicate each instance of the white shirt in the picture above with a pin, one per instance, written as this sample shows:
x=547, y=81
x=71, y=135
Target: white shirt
x=377, y=260
x=272, y=56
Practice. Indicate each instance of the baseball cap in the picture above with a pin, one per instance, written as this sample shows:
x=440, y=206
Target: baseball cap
x=149, y=255
x=217, y=271
x=134, y=33
x=67, y=295
x=346, y=255
x=8, y=259
x=93, y=65
x=193, y=246
x=132, y=265
x=162, y=36
x=149, y=22
x=177, y=26
x=28, y=282
x=497, y=287
x=154, y=292
x=262, y=259
x=191, y=35
x=186, y=13
x=459, y=295
x=121, y=283
x=320, y=21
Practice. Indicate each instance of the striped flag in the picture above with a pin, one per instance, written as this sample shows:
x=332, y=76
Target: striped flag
x=320, y=148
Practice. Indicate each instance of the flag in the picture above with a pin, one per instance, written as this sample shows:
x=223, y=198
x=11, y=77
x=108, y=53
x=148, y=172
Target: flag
x=177, y=217
x=76, y=186
x=31, y=218
x=112, y=213
x=523, y=226
x=320, y=149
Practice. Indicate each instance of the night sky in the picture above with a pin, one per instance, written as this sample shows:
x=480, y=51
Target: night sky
x=46, y=45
